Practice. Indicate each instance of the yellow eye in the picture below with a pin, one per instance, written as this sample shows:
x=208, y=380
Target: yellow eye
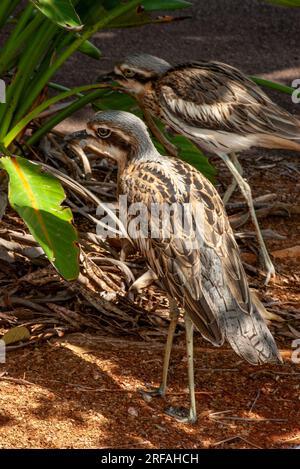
x=103, y=132
x=128, y=73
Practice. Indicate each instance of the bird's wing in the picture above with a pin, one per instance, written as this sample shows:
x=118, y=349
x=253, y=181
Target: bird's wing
x=224, y=285
x=171, y=254
x=216, y=96
x=204, y=272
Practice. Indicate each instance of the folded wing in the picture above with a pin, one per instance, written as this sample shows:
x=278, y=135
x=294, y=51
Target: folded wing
x=219, y=97
x=197, y=258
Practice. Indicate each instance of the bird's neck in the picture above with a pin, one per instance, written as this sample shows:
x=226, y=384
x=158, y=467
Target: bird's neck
x=145, y=151
x=141, y=149
x=148, y=98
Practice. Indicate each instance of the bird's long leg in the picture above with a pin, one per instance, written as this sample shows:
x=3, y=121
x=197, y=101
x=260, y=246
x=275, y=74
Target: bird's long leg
x=230, y=190
x=181, y=414
x=174, y=314
x=246, y=191
x=171, y=149
x=189, y=327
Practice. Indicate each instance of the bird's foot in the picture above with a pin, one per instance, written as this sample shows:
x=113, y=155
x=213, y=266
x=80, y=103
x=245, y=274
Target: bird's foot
x=147, y=394
x=268, y=269
x=181, y=414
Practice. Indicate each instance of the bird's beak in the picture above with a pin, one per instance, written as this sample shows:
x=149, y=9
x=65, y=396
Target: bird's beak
x=107, y=78
x=76, y=137
x=80, y=139
x=83, y=141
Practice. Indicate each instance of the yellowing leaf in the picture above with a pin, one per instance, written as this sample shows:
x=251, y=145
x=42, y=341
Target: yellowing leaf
x=37, y=197
x=16, y=334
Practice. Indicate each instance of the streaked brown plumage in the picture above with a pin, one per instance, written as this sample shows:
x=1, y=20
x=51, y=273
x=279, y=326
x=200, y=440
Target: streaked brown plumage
x=207, y=278
x=212, y=96
x=214, y=105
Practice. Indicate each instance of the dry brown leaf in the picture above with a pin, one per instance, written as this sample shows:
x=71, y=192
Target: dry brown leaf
x=293, y=251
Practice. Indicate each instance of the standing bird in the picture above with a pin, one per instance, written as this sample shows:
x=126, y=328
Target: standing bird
x=202, y=274
x=217, y=107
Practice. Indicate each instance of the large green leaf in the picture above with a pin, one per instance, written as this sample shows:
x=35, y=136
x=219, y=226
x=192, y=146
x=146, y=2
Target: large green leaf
x=37, y=198
x=285, y=3
x=151, y=5
x=90, y=11
x=60, y=12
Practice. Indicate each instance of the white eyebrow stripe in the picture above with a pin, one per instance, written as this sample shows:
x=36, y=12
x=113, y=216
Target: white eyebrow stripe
x=90, y=131
x=125, y=137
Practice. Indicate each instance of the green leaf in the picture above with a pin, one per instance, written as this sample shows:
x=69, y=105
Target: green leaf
x=37, y=198
x=91, y=11
x=117, y=100
x=11, y=135
x=136, y=17
x=141, y=16
x=43, y=78
x=16, y=334
x=191, y=154
x=60, y=12
x=285, y=3
x=90, y=49
x=63, y=114
x=151, y=5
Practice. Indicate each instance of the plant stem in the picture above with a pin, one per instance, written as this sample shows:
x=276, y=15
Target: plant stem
x=273, y=85
x=42, y=81
x=36, y=111
x=18, y=37
x=60, y=116
x=26, y=67
x=58, y=87
x=6, y=8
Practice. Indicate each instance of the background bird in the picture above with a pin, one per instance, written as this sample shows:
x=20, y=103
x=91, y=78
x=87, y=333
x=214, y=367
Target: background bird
x=217, y=107
x=202, y=274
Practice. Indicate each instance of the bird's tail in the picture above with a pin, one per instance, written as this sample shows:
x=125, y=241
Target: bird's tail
x=275, y=141
x=284, y=129
x=250, y=337
x=219, y=317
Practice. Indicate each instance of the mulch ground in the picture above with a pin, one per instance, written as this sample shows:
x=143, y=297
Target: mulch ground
x=83, y=393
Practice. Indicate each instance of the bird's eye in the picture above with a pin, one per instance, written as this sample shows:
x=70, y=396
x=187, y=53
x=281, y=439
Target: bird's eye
x=128, y=73
x=102, y=132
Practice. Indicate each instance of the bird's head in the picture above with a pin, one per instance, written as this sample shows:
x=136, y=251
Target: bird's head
x=118, y=135
x=136, y=70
